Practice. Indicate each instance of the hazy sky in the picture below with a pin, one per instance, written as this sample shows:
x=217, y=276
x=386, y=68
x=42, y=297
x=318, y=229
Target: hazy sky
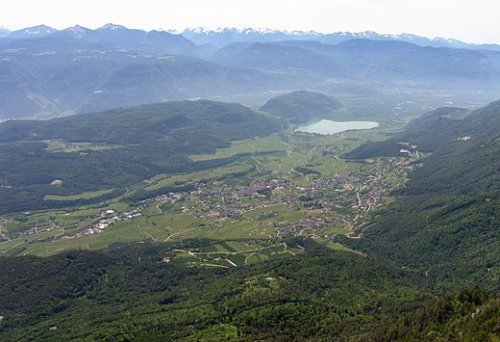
x=469, y=20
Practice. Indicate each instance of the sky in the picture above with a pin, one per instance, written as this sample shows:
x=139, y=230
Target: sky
x=474, y=21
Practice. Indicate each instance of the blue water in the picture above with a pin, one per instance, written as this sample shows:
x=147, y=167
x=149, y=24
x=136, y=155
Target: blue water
x=327, y=127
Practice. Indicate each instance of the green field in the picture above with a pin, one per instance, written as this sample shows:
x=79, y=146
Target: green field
x=254, y=145
x=68, y=147
x=162, y=181
x=234, y=253
x=82, y=195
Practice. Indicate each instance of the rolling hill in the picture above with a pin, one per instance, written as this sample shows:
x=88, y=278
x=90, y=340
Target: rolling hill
x=125, y=147
x=301, y=106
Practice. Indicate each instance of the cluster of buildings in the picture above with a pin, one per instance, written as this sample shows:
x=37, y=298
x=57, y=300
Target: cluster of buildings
x=340, y=200
x=106, y=219
x=312, y=225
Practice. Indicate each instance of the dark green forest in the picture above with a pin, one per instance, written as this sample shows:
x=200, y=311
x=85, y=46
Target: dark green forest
x=301, y=106
x=130, y=294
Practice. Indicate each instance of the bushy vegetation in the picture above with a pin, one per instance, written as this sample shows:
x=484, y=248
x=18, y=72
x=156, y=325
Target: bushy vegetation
x=472, y=315
x=131, y=293
x=137, y=295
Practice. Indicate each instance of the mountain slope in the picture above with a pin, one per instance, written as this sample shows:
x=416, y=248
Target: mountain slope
x=16, y=87
x=364, y=58
x=3, y=32
x=175, y=78
x=274, y=57
x=471, y=315
x=31, y=32
x=321, y=294
x=445, y=222
x=413, y=61
x=40, y=81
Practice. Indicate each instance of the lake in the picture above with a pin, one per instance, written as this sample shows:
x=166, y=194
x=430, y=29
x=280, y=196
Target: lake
x=327, y=127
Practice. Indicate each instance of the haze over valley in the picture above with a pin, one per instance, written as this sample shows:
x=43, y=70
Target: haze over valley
x=46, y=72
x=248, y=185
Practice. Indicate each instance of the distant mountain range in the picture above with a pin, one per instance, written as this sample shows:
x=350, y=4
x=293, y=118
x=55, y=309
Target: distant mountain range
x=3, y=32
x=363, y=59
x=113, y=36
x=46, y=72
x=224, y=36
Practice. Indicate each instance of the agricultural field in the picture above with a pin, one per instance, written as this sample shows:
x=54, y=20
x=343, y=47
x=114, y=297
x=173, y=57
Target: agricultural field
x=68, y=147
x=233, y=253
x=278, y=186
x=83, y=195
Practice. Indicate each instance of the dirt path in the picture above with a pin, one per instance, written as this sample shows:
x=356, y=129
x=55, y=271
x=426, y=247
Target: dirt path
x=232, y=263
x=175, y=234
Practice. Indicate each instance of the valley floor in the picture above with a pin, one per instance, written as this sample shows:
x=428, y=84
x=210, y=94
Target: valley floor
x=283, y=185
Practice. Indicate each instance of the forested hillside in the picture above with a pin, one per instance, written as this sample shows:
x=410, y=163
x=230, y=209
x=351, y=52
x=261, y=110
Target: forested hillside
x=116, y=148
x=301, y=106
x=145, y=293
x=133, y=293
x=445, y=223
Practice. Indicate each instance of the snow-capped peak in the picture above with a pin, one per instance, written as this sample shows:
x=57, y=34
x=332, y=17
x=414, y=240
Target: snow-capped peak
x=246, y=31
x=111, y=26
x=40, y=30
x=3, y=32
x=77, y=31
